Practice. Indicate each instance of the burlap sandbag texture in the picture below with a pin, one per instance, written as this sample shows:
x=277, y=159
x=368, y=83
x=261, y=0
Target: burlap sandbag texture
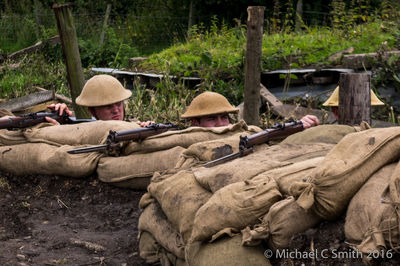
x=41, y=158
x=286, y=175
x=372, y=223
x=264, y=158
x=154, y=221
x=154, y=253
x=185, y=138
x=234, y=206
x=321, y=134
x=180, y=196
x=225, y=251
x=345, y=169
x=90, y=133
x=129, y=170
x=284, y=220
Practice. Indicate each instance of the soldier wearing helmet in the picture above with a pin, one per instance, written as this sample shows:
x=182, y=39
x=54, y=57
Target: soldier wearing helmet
x=104, y=96
x=333, y=101
x=211, y=109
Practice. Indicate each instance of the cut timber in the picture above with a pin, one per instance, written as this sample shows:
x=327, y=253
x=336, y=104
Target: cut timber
x=269, y=97
x=339, y=54
x=361, y=61
x=266, y=96
x=36, y=108
x=287, y=111
x=21, y=103
x=31, y=49
x=135, y=61
x=60, y=97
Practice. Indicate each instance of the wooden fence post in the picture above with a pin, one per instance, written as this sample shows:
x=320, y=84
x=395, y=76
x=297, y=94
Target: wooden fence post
x=251, y=103
x=103, y=29
x=354, y=98
x=69, y=43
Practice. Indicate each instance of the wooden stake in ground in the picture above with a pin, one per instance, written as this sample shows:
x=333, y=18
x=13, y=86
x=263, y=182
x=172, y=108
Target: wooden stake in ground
x=69, y=42
x=354, y=98
x=251, y=105
x=103, y=30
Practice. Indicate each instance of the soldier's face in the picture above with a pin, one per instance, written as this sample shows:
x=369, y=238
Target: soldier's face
x=218, y=120
x=113, y=111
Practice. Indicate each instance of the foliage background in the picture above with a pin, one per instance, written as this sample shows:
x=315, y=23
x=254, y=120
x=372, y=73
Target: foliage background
x=212, y=48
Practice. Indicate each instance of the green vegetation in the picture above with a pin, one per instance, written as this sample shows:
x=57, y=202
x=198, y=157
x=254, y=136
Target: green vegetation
x=213, y=49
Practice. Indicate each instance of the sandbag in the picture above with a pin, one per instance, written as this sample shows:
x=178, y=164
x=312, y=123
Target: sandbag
x=41, y=158
x=263, y=159
x=153, y=253
x=180, y=196
x=11, y=137
x=330, y=187
x=154, y=221
x=285, y=176
x=187, y=137
x=321, y=134
x=135, y=170
x=225, y=251
x=284, y=220
x=234, y=206
x=213, y=149
x=90, y=133
x=371, y=220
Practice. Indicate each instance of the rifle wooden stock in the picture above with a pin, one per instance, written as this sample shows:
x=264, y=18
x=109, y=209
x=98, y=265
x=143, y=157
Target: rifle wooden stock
x=31, y=119
x=277, y=132
x=115, y=137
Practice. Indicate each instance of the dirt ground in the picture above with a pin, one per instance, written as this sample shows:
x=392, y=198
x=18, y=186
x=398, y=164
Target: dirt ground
x=53, y=220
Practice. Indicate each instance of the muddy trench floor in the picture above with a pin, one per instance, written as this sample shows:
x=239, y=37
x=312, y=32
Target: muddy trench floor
x=54, y=220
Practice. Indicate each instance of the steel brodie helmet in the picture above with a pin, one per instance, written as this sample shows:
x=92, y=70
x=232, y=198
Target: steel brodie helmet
x=333, y=100
x=209, y=103
x=102, y=90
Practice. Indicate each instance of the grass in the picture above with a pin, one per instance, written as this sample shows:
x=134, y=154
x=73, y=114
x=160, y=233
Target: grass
x=216, y=54
x=4, y=185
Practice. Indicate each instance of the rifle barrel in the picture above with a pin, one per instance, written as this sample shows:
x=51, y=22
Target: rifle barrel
x=101, y=147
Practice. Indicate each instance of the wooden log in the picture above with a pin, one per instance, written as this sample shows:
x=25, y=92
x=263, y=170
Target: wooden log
x=251, y=105
x=36, y=108
x=338, y=55
x=354, y=98
x=34, y=48
x=69, y=42
x=60, y=97
x=21, y=103
x=364, y=61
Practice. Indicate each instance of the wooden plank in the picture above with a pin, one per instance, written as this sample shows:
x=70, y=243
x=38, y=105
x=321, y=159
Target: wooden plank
x=269, y=97
x=31, y=49
x=60, y=97
x=21, y=103
x=36, y=108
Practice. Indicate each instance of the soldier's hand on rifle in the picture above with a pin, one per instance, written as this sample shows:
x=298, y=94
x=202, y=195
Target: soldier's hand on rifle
x=309, y=121
x=145, y=124
x=60, y=108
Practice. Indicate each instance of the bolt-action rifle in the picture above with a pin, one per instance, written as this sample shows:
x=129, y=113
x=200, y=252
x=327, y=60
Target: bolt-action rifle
x=277, y=132
x=114, y=138
x=31, y=119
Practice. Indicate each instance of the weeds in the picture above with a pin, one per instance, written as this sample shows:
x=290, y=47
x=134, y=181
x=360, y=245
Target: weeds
x=165, y=103
x=4, y=184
